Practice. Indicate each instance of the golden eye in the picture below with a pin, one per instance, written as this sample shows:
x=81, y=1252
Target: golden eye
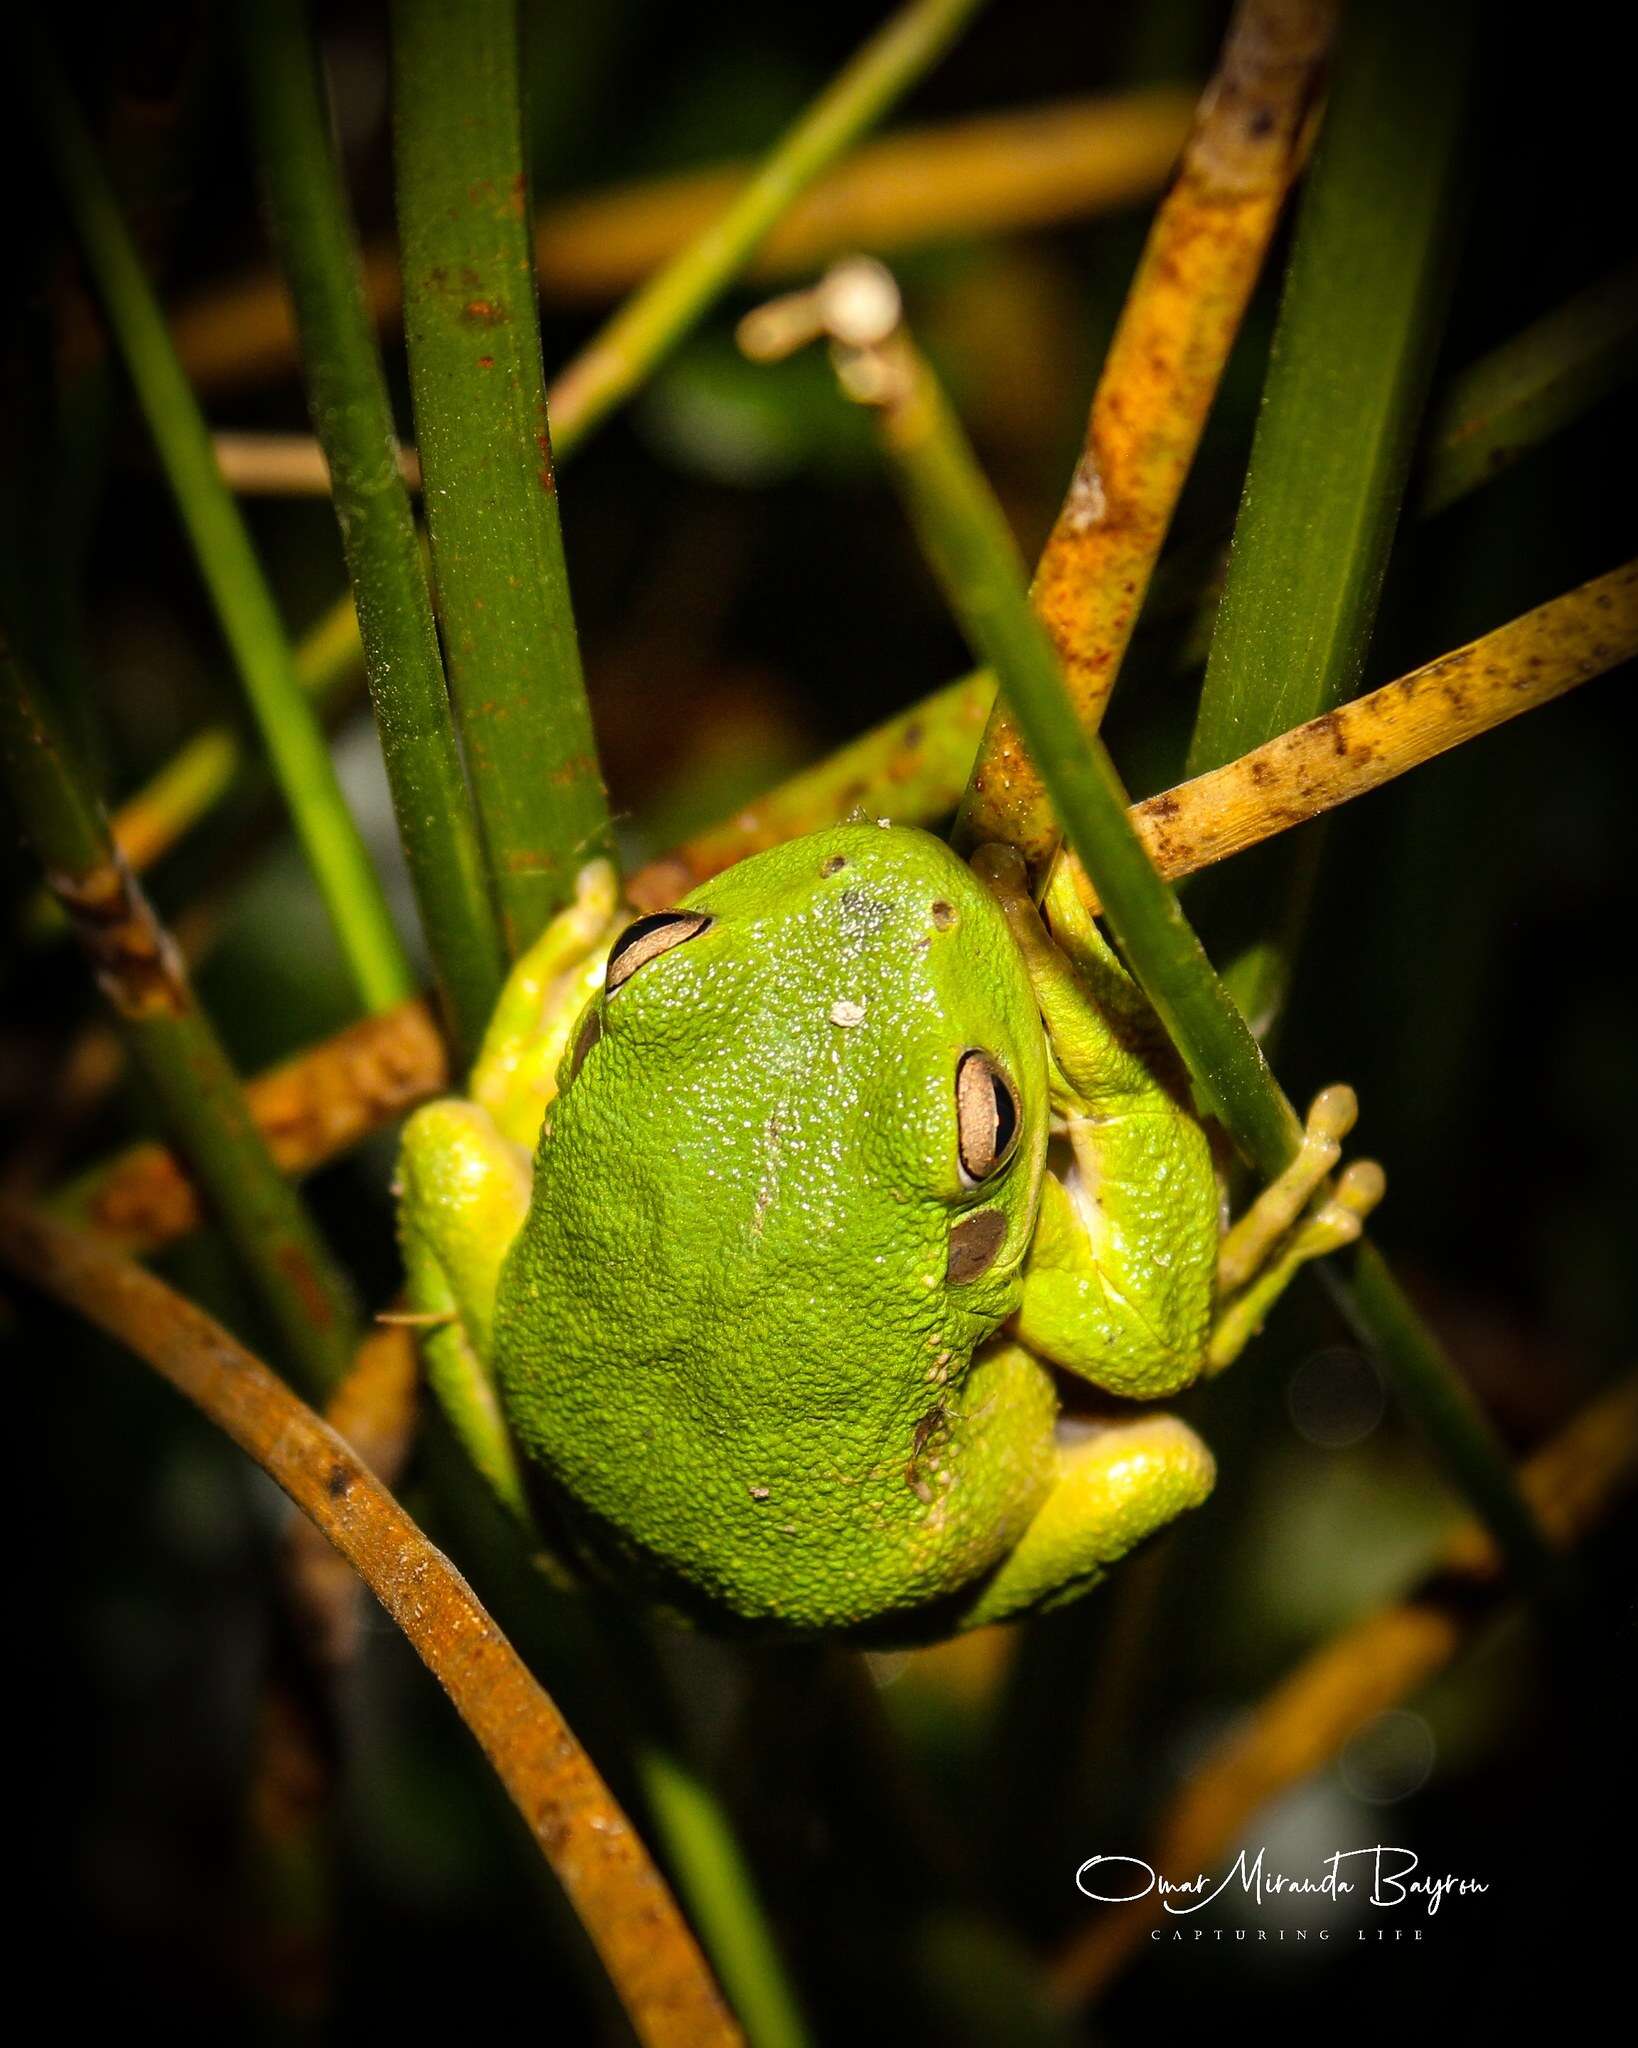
x=647, y=939
x=987, y=1117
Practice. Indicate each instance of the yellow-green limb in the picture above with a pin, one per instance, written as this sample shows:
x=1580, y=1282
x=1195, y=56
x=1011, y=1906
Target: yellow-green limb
x=139, y=970
x=238, y=589
x=328, y=1099
x=352, y=417
x=473, y=332
x=966, y=538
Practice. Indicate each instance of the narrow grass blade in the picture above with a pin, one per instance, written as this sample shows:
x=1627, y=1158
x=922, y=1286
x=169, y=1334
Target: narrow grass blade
x=1525, y=391
x=650, y=323
x=1506, y=403
x=352, y=417
x=244, y=605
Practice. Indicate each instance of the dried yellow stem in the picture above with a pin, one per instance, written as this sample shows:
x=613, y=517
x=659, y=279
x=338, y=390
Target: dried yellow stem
x=1203, y=255
x=598, y=1857
x=308, y=1109
x=981, y=176
x=1370, y=740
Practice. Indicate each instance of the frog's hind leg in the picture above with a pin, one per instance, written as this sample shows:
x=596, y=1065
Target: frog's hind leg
x=515, y=1075
x=464, y=1192
x=1115, y=1484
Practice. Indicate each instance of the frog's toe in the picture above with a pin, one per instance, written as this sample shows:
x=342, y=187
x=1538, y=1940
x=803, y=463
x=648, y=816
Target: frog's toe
x=1116, y=1484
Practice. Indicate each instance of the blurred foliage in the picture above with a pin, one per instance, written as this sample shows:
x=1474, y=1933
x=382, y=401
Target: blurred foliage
x=749, y=597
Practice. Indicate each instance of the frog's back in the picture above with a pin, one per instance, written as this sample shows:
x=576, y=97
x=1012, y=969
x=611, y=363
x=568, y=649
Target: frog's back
x=735, y=1327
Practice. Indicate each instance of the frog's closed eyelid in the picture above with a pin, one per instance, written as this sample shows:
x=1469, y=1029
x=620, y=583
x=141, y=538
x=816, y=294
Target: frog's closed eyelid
x=987, y=1117
x=647, y=939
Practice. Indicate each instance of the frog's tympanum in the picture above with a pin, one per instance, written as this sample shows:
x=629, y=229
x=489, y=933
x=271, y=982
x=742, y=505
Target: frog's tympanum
x=780, y=1233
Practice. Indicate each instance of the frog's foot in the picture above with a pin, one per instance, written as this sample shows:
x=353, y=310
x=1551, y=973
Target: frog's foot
x=515, y=1076
x=1115, y=1485
x=1263, y=1250
x=464, y=1190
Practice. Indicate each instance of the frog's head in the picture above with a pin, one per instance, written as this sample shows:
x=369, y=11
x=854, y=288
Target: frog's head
x=810, y=1098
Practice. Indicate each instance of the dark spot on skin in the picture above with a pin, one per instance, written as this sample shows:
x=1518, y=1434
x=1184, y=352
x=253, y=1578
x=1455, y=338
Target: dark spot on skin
x=974, y=1245
x=590, y=1032
x=1162, y=806
x=943, y=916
x=339, y=1481
x=834, y=865
x=1260, y=124
x=1260, y=771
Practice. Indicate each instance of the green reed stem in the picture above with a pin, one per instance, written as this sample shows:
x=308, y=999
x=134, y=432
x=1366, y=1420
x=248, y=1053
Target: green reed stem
x=473, y=334
x=238, y=589
x=1348, y=373
x=352, y=417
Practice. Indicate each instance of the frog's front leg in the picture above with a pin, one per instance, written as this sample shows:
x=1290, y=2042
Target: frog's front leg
x=1119, y=1285
x=1127, y=1282
x=515, y=1076
x=463, y=1193
x=464, y=1170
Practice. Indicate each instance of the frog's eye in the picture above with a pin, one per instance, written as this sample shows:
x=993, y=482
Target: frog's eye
x=987, y=1117
x=647, y=939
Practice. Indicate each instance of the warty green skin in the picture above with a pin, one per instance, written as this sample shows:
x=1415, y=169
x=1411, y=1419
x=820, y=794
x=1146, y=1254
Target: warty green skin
x=719, y=1328
x=725, y=1331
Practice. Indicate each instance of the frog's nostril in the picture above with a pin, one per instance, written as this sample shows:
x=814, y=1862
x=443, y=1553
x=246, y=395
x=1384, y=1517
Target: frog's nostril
x=974, y=1245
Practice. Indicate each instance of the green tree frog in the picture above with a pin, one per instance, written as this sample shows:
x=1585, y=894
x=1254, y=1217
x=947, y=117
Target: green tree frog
x=754, y=1259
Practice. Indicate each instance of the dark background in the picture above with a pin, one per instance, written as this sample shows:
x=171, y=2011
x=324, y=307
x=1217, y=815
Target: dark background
x=748, y=598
